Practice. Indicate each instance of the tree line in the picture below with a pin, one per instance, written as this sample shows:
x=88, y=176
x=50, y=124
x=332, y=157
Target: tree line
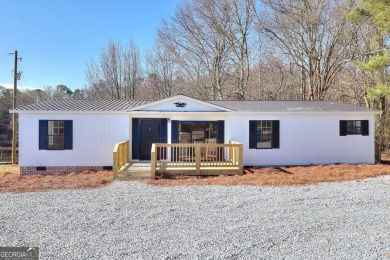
x=250, y=50
x=257, y=50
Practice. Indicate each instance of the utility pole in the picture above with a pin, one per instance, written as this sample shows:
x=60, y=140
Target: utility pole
x=14, y=106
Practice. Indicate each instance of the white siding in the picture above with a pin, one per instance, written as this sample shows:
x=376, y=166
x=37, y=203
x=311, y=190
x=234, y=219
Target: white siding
x=191, y=106
x=94, y=137
x=307, y=139
x=304, y=139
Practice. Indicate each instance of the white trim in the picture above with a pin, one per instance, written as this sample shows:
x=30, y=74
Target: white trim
x=308, y=113
x=255, y=113
x=197, y=112
x=161, y=101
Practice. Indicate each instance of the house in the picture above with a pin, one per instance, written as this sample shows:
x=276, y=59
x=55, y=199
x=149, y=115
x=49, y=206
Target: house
x=75, y=135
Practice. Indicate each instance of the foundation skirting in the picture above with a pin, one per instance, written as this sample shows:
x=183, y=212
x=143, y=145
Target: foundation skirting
x=31, y=170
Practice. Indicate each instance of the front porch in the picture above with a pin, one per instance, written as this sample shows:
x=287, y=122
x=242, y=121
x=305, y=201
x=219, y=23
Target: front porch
x=184, y=159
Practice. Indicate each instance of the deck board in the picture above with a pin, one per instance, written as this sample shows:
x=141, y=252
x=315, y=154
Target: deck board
x=140, y=170
x=135, y=170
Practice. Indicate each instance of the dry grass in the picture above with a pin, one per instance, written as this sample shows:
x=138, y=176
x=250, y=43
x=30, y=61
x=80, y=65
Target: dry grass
x=297, y=175
x=11, y=181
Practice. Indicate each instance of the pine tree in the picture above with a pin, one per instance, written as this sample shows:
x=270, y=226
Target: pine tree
x=377, y=14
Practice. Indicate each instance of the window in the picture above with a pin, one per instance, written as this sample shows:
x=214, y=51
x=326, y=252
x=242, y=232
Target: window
x=263, y=134
x=194, y=132
x=197, y=131
x=55, y=134
x=354, y=127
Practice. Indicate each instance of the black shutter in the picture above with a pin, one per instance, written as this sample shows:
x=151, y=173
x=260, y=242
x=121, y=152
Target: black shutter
x=252, y=134
x=42, y=134
x=164, y=131
x=135, y=138
x=68, y=125
x=343, y=127
x=220, y=131
x=174, y=132
x=365, y=127
x=275, y=134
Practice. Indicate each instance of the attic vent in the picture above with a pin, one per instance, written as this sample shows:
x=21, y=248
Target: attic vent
x=180, y=104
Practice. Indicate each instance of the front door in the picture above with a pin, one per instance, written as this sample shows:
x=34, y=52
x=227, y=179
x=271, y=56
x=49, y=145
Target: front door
x=149, y=133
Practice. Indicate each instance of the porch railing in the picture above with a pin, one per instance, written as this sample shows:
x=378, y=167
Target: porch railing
x=197, y=158
x=121, y=156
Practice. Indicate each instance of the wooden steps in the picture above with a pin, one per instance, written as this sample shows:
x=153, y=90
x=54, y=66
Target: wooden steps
x=134, y=170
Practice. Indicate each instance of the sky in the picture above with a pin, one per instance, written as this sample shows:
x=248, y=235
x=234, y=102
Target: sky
x=56, y=39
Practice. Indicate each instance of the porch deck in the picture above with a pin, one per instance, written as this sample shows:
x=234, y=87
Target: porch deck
x=183, y=159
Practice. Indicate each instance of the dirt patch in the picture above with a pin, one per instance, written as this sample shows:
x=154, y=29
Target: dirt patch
x=297, y=175
x=11, y=181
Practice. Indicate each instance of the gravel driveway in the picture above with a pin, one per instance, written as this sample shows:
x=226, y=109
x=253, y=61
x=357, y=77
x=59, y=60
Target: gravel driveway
x=131, y=220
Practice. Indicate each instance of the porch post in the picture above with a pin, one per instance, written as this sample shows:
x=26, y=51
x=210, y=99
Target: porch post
x=153, y=161
x=197, y=158
x=169, y=140
x=241, y=159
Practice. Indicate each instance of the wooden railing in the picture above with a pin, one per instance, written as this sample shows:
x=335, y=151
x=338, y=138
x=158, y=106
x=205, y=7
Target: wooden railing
x=197, y=158
x=237, y=155
x=121, y=156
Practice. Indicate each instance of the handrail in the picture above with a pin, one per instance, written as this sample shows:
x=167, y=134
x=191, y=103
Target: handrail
x=195, y=157
x=121, y=156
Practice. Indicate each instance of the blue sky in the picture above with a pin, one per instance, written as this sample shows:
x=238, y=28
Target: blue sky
x=56, y=39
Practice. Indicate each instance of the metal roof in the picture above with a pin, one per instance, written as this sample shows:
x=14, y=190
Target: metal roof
x=69, y=105
x=82, y=105
x=290, y=106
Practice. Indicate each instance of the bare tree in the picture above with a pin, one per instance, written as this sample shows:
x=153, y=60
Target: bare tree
x=199, y=47
x=132, y=71
x=237, y=17
x=315, y=35
x=59, y=92
x=161, y=68
x=118, y=73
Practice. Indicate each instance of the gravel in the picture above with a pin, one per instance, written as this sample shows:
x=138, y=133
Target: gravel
x=132, y=220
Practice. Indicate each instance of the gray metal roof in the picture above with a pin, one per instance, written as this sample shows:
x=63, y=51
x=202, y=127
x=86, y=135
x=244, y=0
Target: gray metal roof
x=290, y=106
x=82, y=105
x=69, y=105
